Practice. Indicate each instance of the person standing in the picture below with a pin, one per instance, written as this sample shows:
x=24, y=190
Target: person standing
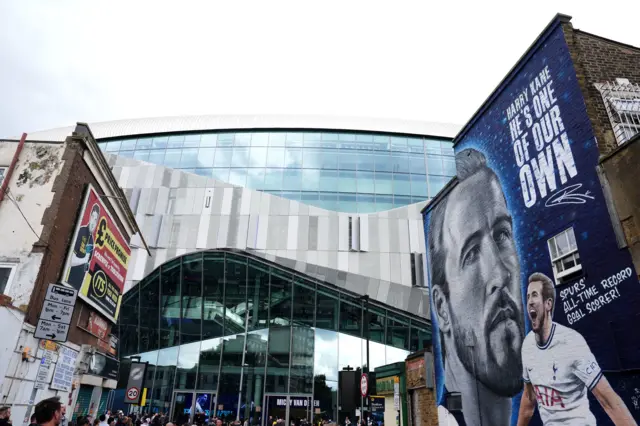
x=5, y=416
x=50, y=412
x=83, y=251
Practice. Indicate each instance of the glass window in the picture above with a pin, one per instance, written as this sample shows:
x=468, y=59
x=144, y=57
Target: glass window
x=350, y=316
x=349, y=351
x=238, y=177
x=192, y=140
x=384, y=183
x=257, y=296
x=280, y=297
x=436, y=183
x=383, y=162
x=420, y=337
x=416, y=145
x=113, y=146
x=302, y=339
x=240, y=158
x=278, y=139
x=129, y=317
x=144, y=143
x=206, y=156
x=160, y=142
x=128, y=154
x=170, y=304
x=225, y=139
x=187, y=366
x=223, y=157
x=419, y=185
x=366, y=203
x=208, y=140
x=229, y=388
x=329, y=180
x=347, y=181
x=384, y=202
x=278, y=359
x=400, y=162
x=348, y=160
x=128, y=144
x=449, y=166
x=204, y=172
x=328, y=159
x=399, y=143
x=328, y=201
x=156, y=156
x=275, y=157
x=326, y=311
x=255, y=178
x=292, y=179
x=191, y=298
x=212, y=290
x=364, y=138
x=293, y=158
x=366, y=161
x=258, y=157
x=255, y=361
x=141, y=155
x=210, y=351
x=175, y=141
x=189, y=158
x=417, y=164
x=242, y=139
x=366, y=182
x=348, y=203
x=291, y=195
x=303, y=303
x=310, y=180
x=312, y=158
x=432, y=147
x=165, y=375
x=172, y=158
x=235, y=294
x=150, y=305
x=434, y=165
x=260, y=139
x=400, y=200
x=220, y=174
x=397, y=331
x=294, y=139
x=311, y=198
x=273, y=179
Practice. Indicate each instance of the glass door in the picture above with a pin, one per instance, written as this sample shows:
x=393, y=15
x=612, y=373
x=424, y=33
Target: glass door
x=182, y=405
x=204, y=407
x=197, y=407
x=291, y=409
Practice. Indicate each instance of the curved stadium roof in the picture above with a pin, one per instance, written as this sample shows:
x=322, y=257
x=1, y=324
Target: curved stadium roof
x=142, y=126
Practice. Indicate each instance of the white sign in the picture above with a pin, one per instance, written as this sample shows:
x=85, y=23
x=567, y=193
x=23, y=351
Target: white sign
x=396, y=396
x=61, y=294
x=42, y=375
x=63, y=373
x=53, y=311
x=364, y=385
x=56, y=313
x=52, y=330
x=132, y=393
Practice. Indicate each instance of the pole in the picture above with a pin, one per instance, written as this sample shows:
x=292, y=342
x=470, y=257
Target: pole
x=368, y=319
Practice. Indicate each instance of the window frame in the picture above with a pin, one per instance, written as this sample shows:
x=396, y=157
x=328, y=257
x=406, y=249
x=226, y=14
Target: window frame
x=12, y=273
x=559, y=275
x=4, y=173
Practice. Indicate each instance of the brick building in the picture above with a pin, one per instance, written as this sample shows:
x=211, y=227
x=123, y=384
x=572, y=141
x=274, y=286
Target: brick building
x=43, y=187
x=421, y=398
x=539, y=226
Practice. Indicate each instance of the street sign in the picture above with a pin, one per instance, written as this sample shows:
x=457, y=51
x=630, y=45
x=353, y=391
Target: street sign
x=364, y=385
x=396, y=396
x=42, y=375
x=56, y=313
x=132, y=394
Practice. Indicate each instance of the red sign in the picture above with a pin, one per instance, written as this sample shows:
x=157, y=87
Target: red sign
x=97, y=326
x=98, y=258
x=364, y=385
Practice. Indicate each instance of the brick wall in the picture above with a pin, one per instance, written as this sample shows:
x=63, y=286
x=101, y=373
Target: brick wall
x=422, y=400
x=59, y=222
x=598, y=60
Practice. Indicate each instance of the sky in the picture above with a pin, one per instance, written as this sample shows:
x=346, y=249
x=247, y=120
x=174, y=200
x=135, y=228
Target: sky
x=67, y=61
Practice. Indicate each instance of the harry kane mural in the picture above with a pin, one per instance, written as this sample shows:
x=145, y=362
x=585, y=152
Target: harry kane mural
x=524, y=270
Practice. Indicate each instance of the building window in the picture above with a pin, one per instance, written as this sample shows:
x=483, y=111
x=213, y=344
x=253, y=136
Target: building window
x=564, y=256
x=622, y=101
x=7, y=271
x=3, y=171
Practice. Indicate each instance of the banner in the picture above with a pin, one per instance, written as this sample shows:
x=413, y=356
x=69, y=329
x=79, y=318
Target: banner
x=527, y=282
x=98, y=258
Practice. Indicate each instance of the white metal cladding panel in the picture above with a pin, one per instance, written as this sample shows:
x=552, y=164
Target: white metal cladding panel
x=403, y=234
x=241, y=236
x=140, y=126
x=385, y=269
x=364, y=232
x=343, y=232
x=323, y=233
x=405, y=268
x=383, y=227
x=414, y=235
x=245, y=205
x=292, y=233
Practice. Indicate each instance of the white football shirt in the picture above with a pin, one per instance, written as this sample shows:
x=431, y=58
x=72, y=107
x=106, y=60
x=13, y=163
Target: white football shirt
x=561, y=372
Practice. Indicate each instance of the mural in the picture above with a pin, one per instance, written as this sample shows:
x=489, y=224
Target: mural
x=529, y=290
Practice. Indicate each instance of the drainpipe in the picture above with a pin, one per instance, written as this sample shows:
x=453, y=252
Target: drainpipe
x=7, y=177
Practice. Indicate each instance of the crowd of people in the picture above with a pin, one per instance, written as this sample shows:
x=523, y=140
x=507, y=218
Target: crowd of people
x=52, y=412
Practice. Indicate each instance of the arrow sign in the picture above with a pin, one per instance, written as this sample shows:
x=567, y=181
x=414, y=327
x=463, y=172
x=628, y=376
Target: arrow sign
x=52, y=330
x=56, y=313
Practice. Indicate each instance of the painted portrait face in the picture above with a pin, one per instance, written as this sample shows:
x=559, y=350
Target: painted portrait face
x=483, y=272
x=537, y=308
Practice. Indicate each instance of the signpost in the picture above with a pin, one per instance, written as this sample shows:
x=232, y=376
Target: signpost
x=56, y=313
x=364, y=385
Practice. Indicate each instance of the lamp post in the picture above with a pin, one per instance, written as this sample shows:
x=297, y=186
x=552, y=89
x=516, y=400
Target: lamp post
x=365, y=298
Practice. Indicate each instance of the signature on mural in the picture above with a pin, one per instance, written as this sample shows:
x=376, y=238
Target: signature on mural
x=569, y=195
x=635, y=399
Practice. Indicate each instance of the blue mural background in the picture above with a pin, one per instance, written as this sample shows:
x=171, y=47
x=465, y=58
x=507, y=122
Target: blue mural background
x=612, y=331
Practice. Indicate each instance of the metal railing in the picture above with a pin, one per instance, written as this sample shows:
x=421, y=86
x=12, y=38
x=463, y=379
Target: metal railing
x=622, y=101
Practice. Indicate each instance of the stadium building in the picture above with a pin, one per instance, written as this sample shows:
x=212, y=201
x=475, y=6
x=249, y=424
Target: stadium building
x=274, y=241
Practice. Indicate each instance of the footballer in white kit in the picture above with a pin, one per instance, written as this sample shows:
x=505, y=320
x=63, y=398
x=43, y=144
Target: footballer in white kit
x=559, y=368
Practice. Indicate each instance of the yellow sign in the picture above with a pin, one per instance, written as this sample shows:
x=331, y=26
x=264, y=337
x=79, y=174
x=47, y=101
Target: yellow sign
x=143, y=400
x=396, y=379
x=48, y=345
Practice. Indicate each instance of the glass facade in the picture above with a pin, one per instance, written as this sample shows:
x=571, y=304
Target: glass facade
x=348, y=172
x=237, y=328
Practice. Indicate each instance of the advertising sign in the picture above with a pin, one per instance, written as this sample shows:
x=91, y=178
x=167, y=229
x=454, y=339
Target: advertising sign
x=65, y=367
x=528, y=286
x=98, y=258
x=104, y=366
x=97, y=326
